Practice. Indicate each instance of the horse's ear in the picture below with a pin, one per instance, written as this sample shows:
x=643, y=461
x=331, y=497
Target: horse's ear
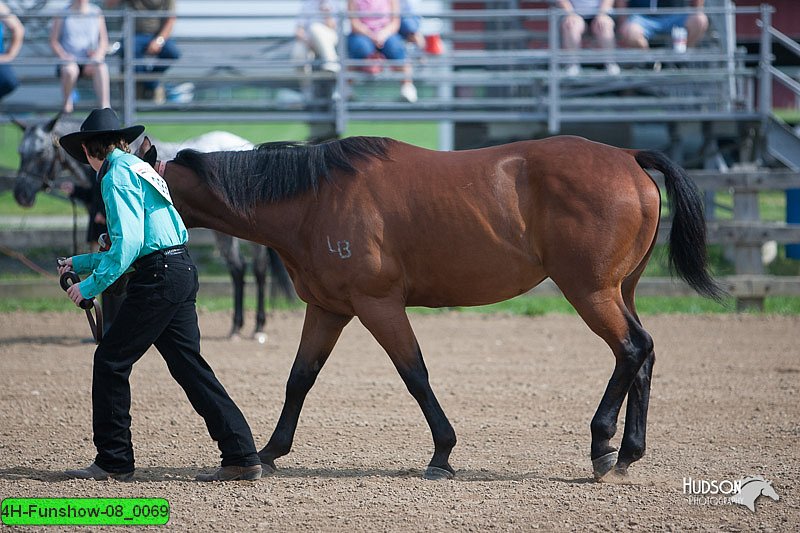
x=52, y=123
x=19, y=123
x=151, y=156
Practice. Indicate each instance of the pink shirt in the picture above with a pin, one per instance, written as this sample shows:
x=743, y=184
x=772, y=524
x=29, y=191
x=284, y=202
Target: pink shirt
x=375, y=22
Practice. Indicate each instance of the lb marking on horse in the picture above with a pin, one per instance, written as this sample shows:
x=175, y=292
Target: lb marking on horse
x=342, y=248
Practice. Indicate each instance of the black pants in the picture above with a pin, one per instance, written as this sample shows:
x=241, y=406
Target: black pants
x=160, y=310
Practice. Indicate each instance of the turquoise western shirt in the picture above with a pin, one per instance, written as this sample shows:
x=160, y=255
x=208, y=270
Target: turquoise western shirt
x=140, y=221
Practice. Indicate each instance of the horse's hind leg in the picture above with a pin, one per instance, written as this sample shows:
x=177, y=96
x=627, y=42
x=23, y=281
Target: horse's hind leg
x=229, y=249
x=605, y=312
x=390, y=326
x=321, y=330
x=634, y=438
x=260, y=264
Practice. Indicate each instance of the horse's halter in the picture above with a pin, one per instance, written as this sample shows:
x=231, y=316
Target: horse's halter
x=53, y=162
x=57, y=163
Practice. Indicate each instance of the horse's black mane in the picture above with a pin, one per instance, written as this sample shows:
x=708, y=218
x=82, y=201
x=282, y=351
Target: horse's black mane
x=278, y=170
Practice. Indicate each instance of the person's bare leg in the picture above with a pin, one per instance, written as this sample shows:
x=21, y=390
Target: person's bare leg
x=633, y=36
x=696, y=27
x=69, y=77
x=603, y=31
x=407, y=89
x=100, y=81
x=572, y=28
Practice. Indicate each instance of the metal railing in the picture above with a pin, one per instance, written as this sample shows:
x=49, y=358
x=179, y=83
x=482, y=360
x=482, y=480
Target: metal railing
x=517, y=77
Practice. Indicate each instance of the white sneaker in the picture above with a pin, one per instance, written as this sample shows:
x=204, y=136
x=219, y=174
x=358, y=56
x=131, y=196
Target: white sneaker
x=409, y=92
x=612, y=69
x=573, y=70
x=331, y=66
x=183, y=93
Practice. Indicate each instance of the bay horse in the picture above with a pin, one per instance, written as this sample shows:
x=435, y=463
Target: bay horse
x=44, y=165
x=369, y=226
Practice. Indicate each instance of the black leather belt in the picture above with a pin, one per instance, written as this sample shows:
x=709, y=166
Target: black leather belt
x=164, y=252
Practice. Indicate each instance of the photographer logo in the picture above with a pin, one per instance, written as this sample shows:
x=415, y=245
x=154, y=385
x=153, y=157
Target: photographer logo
x=743, y=491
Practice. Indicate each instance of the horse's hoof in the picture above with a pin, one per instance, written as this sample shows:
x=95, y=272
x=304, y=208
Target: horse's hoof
x=616, y=476
x=603, y=465
x=268, y=468
x=434, y=473
x=261, y=337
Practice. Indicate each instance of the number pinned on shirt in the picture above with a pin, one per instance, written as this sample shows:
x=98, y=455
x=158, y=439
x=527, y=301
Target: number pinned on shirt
x=147, y=173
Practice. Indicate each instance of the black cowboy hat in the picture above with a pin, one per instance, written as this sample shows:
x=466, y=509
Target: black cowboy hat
x=99, y=121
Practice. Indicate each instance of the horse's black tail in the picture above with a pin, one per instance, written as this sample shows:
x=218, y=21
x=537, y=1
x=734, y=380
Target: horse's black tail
x=687, y=237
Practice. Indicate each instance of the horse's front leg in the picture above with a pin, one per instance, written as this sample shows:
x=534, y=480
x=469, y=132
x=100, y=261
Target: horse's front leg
x=321, y=330
x=388, y=323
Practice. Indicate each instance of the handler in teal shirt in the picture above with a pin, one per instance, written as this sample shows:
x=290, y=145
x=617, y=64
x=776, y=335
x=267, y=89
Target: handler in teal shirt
x=147, y=233
x=135, y=209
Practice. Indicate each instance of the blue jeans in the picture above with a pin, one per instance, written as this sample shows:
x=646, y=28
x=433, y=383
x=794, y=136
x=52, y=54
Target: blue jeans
x=168, y=51
x=8, y=80
x=409, y=26
x=657, y=24
x=360, y=46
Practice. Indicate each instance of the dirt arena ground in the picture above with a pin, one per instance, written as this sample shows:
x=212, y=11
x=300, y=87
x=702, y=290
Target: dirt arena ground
x=519, y=391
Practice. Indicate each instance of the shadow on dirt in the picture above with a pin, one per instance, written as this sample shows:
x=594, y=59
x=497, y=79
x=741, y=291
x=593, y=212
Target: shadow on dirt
x=160, y=474
x=58, y=340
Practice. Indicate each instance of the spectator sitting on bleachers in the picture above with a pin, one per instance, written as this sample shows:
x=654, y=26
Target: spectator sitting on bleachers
x=583, y=14
x=152, y=39
x=8, y=80
x=637, y=30
x=378, y=33
x=316, y=34
x=80, y=38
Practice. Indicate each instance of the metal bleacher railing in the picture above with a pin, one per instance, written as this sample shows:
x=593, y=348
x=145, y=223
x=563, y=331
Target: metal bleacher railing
x=510, y=69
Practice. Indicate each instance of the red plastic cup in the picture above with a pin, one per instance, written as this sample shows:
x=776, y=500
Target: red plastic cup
x=433, y=44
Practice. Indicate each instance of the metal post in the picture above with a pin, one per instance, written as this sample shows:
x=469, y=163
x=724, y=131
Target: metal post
x=730, y=48
x=342, y=87
x=765, y=61
x=445, y=92
x=553, y=79
x=710, y=153
x=129, y=80
x=747, y=256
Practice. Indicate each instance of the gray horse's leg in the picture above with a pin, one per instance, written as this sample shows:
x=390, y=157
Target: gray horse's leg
x=229, y=249
x=281, y=281
x=260, y=264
